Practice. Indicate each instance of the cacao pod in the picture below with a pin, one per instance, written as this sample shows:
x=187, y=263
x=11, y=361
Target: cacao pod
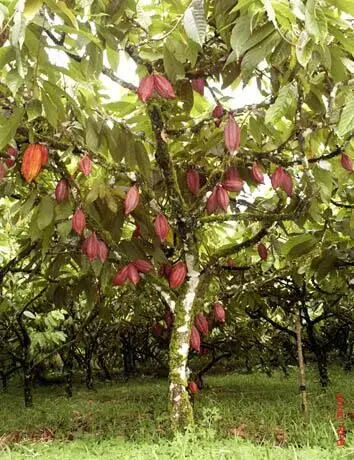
x=195, y=339
x=193, y=181
x=121, y=276
x=347, y=162
x=193, y=387
x=201, y=324
x=32, y=162
x=218, y=111
x=3, y=171
x=198, y=85
x=45, y=154
x=165, y=270
x=168, y=318
x=217, y=123
x=163, y=87
x=131, y=200
x=102, y=252
x=162, y=227
x=262, y=251
x=212, y=202
x=62, y=191
x=177, y=275
x=282, y=179
x=232, y=181
x=157, y=330
x=219, y=312
x=85, y=165
x=222, y=198
x=12, y=154
x=257, y=174
x=132, y=274
x=91, y=247
x=143, y=266
x=232, y=134
x=137, y=233
x=146, y=88
x=78, y=222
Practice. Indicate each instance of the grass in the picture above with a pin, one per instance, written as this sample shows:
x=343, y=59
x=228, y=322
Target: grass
x=237, y=417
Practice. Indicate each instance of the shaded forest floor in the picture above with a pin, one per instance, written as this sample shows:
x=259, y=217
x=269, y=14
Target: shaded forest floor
x=238, y=417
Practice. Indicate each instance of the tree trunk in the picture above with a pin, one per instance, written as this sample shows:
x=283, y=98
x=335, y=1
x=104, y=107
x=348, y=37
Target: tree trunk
x=88, y=368
x=180, y=408
x=68, y=370
x=349, y=350
x=27, y=388
x=301, y=362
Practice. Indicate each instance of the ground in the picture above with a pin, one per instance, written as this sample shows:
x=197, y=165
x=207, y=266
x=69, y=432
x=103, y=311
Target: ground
x=238, y=417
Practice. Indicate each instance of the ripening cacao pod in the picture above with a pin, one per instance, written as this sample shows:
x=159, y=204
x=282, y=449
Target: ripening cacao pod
x=193, y=181
x=32, y=162
x=198, y=85
x=347, y=162
x=212, y=202
x=195, y=339
x=121, y=276
x=232, y=181
x=91, y=247
x=219, y=312
x=282, y=179
x=177, y=275
x=143, y=266
x=137, y=232
x=218, y=111
x=193, y=388
x=257, y=174
x=12, y=154
x=217, y=123
x=262, y=251
x=133, y=274
x=168, y=318
x=232, y=134
x=162, y=227
x=85, y=165
x=222, y=198
x=163, y=87
x=131, y=200
x=165, y=270
x=3, y=171
x=102, y=252
x=78, y=221
x=157, y=330
x=201, y=324
x=146, y=88
x=62, y=191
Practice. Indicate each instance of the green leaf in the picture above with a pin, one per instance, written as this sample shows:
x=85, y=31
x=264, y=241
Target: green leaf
x=304, y=48
x=7, y=54
x=194, y=22
x=344, y=5
x=172, y=66
x=298, y=246
x=346, y=121
x=315, y=21
x=240, y=34
x=142, y=160
x=9, y=127
x=92, y=136
x=284, y=105
x=31, y=8
x=324, y=181
x=34, y=109
x=256, y=38
x=45, y=214
x=50, y=109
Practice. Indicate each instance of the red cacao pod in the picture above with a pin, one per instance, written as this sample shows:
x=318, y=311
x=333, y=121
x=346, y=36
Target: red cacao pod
x=62, y=191
x=32, y=162
x=347, y=162
x=262, y=251
x=162, y=227
x=121, y=276
x=217, y=123
x=218, y=111
x=91, y=247
x=168, y=318
x=198, y=85
x=257, y=174
x=137, y=232
x=201, y=324
x=193, y=388
x=146, y=88
x=212, y=202
x=165, y=270
x=232, y=134
x=3, y=171
x=219, y=312
x=195, y=339
x=232, y=181
x=193, y=181
x=102, y=252
x=12, y=154
x=282, y=179
x=85, y=165
x=133, y=274
x=163, y=87
x=131, y=200
x=78, y=221
x=143, y=266
x=177, y=275
x=222, y=198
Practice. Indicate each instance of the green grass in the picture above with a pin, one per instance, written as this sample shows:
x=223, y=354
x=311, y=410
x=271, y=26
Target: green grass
x=129, y=420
